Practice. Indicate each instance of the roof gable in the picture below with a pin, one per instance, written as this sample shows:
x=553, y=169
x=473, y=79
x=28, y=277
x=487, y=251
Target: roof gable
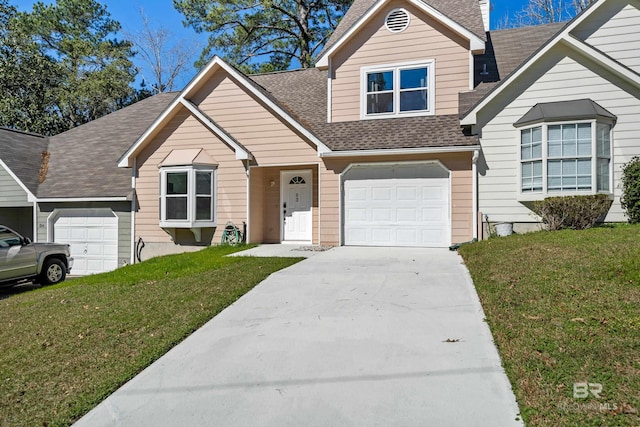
x=21, y=156
x=564, y=38
x=362, y=11
x=183, y=101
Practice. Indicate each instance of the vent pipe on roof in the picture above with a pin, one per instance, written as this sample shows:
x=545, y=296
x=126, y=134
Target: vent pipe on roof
x=485, y=7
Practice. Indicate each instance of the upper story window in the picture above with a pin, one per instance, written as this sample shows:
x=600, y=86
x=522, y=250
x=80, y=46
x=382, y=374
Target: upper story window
x=187, y=197
x=566, y=158
x=401, y=90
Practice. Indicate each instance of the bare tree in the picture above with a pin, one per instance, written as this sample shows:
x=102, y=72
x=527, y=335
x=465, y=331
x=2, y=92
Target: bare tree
x=537, y=12
x=166, y=58
x=580, y=5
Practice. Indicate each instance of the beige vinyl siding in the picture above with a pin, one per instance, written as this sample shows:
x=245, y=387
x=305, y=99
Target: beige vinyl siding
x=11, y=193
x=121, y=209
x=258, y=188
x=461, y=191
x=614, y=30
x=424, y=39
x=330, y=203
x=184, y=132
x=265, y=218
x=568, y=79
x=266, y=137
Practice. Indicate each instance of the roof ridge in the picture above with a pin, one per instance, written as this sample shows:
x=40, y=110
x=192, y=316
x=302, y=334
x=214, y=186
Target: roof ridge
x=268, y=73
x=119, y=111
x=24, y=132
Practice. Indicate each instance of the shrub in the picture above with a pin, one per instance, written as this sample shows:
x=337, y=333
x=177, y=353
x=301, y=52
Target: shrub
x=574, y=212
x=631, y=190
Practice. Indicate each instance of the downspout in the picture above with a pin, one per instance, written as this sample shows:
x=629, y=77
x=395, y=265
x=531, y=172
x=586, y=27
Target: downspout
x=133, y=211
x=248, y=231
x=474, y=174
x=319, y=213
x=329, y=94
x=35, y=221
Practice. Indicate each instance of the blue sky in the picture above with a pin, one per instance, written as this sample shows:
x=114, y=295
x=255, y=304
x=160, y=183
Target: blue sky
x=162, y=13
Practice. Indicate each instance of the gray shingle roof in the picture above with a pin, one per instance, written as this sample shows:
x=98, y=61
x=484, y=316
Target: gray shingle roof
x=382, y=134
x=84, y=160
x=304, y=92
x=580, y=109
x=506, y=51
x=513, y=46
x=464, y=12
x=22, y=153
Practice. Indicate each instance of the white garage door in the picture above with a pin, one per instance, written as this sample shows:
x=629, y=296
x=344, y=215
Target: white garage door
x=397, y=205
x=93, y=237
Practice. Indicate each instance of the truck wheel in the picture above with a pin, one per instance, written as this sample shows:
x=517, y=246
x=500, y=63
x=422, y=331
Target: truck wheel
x=53, y=272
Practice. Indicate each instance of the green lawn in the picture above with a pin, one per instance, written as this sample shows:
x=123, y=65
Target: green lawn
x=65, y=348
x=564, y=308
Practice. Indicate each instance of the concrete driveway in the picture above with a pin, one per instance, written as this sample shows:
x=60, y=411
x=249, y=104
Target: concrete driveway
x=349, y=337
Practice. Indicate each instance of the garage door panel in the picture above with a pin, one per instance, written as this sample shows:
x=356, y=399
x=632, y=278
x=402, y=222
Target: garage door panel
x=382, y=214
x=434, y=214
x=407, y=236
x=428, y=236
x=93, y=237
x=397, y=206
x=358, y=235
x=381, y=193
x=407, y=193
x=381, y=236
x=357, y=214
x=77, y=233
x=407, y=214
x=356, y=194
x=94, y=234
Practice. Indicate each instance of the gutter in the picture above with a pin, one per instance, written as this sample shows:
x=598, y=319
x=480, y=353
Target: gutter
x=400, y=151
x=84, y=199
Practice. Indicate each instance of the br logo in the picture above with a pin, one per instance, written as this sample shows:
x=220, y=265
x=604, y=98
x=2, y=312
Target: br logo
x=582, y=390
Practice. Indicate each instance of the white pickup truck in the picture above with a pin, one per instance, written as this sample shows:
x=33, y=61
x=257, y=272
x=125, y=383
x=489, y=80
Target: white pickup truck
x=22, y=261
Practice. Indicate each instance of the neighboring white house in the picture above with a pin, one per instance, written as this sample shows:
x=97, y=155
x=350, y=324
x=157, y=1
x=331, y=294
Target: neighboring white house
x=566, y=120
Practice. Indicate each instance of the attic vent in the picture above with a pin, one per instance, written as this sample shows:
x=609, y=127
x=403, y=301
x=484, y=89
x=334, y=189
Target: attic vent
x=397, y=20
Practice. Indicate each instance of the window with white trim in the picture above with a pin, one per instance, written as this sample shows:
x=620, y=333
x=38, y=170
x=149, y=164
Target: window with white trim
x=187, y=197
x=402, y=90
x=566, y=158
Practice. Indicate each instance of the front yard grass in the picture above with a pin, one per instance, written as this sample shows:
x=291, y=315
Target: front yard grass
x=564, y=308
x=65, y=348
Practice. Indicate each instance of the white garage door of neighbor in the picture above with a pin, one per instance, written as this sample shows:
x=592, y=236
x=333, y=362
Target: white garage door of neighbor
x=93, y=238
x=397, y=205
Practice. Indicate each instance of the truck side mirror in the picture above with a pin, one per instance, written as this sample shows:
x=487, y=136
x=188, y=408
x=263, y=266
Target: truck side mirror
x=26, y=241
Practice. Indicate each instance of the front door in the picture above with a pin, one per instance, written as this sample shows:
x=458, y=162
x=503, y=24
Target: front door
x=296, y=194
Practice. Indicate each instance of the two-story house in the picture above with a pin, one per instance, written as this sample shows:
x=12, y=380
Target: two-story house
x=415, y=121
x=364, y=149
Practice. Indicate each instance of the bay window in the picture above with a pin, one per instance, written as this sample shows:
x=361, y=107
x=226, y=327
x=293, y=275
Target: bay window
x=563, y=158
x=187, y=197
